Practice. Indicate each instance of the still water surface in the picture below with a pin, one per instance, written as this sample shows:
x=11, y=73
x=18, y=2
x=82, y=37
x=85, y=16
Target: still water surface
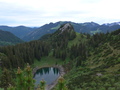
x=49, y=74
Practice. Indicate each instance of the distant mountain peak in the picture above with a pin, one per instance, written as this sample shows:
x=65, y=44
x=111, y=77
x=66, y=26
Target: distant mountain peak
x=90, y=24
x=112, y=24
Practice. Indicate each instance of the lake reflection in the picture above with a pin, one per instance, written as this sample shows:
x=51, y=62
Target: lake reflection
x=49, y=74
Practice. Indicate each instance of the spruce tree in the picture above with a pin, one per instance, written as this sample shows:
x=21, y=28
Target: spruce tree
x=20, y=79
x=25, y=79
x=42, y=85
x=61, y=84
x=6, y=79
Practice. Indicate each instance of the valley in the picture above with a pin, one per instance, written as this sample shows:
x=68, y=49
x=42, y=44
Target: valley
x=90, y=61
x=34, y=33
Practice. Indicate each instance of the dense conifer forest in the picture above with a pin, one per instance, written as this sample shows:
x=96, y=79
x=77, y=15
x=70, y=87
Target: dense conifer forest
x=91, y=62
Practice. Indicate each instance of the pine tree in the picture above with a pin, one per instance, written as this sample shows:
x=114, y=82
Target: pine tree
x=25, y=79
x=11, y=87
x=42, y=85
x=61, y=84
x=6, y=79
x=20, y=79
x=29, y=78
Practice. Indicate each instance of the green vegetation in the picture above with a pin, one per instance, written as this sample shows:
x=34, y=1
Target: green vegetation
x=1, y=89
x=85, y=78
x=21, y=54
x=3, y=43
x=100, y=70
x=55, y=27
x=24, y=81
x=6, y=79
x=47, y=61
x=76, y=40
x=88, y=27
x=7, y=38
x=61, y=84
x=94, y=32
x=90, y=62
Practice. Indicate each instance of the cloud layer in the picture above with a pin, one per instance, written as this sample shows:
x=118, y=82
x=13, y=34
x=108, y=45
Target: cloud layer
x=39, y=12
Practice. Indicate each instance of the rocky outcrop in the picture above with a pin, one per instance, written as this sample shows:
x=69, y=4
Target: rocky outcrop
x=65, y=27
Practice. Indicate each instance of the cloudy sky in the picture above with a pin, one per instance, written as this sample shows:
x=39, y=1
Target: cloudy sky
x=40, y=12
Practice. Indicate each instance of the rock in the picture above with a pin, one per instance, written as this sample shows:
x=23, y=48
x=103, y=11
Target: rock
x=67, y=27
x=99, y=74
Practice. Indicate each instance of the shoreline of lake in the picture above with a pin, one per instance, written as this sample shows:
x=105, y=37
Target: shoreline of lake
x=61, y=70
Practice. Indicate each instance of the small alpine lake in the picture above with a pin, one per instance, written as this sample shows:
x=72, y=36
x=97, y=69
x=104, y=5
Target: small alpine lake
x=49, y=74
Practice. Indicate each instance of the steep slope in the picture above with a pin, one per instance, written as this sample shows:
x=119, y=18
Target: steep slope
x=45, y=29
x=91, y=62
x=65, y=32
x=28, y=33
x=7, y=38
x=88, y=27
x=99, y=70
x=52, y=27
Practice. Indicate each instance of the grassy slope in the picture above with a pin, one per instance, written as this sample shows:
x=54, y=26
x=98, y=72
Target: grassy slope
x=1, y=89
x=103, y=61
x=85, y=77
x=79, y=38
x=47, y=61
x=97, y=60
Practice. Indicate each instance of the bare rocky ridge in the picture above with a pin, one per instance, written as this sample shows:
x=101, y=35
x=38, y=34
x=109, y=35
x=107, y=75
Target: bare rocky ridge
x=67, y=27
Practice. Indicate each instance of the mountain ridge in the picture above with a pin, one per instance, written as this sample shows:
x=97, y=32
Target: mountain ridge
x=28, y=33
x=90, y=61
x=88, y=27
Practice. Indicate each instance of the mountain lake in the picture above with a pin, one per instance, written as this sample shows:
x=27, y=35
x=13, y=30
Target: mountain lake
x=49, y=74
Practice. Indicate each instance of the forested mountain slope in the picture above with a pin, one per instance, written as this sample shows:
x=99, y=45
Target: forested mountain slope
x=91, y=62
x=88, y=27
x=7, y=38
x=19, y=31
x=97, y=67
x=29, y=33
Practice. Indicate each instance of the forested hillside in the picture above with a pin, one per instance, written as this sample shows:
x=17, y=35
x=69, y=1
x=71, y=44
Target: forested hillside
x=7, y=38
x=19, y=31
x=91, y=62
x=97, y=62
x=87, y=27
x=30, y=33
x=21, y=54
